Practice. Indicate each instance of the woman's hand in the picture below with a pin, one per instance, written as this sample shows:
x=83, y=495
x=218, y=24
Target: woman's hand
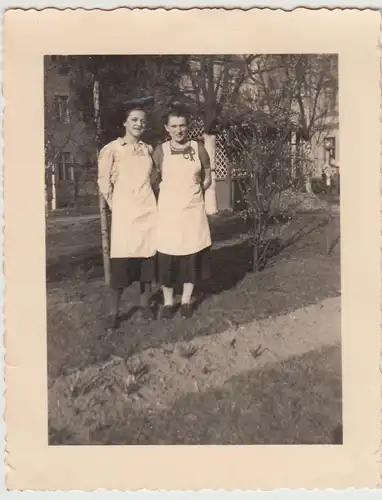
x=207, y=180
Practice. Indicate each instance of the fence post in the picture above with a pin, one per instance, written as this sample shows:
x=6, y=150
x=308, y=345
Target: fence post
x=102, y=202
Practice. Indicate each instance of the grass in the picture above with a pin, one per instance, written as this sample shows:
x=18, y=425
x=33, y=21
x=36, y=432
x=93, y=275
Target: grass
x=279, y=405
x=285, y=401
x=297, y=401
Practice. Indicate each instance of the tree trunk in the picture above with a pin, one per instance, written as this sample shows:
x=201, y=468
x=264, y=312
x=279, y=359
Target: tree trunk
x=256, y=227
x=255, y=247
x=210, y=196
x=308, y=167
x=102, y=202
x=293, y=148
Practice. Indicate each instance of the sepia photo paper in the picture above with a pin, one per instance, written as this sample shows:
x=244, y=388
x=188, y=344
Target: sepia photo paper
x=192, y=249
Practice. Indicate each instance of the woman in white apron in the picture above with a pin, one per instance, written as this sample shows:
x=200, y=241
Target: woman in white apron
x=125, y=169
x=183, y=239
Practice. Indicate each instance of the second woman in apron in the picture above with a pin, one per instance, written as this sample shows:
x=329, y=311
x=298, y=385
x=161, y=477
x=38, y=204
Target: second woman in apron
x=125, y=170
x=183, y=236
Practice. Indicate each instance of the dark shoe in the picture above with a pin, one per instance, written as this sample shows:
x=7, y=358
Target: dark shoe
x=167, y=312
x=147, y=313
x=186, y=311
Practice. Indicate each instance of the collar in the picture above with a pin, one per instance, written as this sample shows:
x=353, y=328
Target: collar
x=122, y=141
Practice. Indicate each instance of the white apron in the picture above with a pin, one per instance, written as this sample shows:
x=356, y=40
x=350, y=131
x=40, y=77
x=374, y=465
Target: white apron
x=182, y=221
x=134, y=210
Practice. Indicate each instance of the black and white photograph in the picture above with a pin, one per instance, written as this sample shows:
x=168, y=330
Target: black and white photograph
x=193, y=249
x=192, y=253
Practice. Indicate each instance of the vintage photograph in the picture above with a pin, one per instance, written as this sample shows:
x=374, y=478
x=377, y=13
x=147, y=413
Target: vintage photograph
x=193, y=249
x=192, y=253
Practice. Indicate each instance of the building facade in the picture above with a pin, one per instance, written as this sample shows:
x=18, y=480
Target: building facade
x=70, y=153
x=71, y=162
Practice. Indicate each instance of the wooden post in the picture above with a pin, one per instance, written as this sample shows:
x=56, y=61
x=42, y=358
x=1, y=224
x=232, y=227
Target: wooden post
x=47, y=189
x=229, y=176
x=105, y=238
x=329, y=199
x=102, y=202
x=54, y=188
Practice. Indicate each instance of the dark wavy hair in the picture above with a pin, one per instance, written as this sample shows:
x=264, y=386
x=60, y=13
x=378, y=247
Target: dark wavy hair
x=177, y=109
x=127, y=112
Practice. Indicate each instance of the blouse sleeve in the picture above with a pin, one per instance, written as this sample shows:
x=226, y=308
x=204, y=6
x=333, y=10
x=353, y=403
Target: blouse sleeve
x=105, y=165
x=204, y=156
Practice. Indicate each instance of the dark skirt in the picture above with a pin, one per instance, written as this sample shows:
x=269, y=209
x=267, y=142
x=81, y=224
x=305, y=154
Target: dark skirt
x=126, y=271
x=179, y=269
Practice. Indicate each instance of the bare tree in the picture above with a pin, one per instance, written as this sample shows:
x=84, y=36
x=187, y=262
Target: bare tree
x=304, y=86
x=212, y=83
x=282, y=96
x=262, y=161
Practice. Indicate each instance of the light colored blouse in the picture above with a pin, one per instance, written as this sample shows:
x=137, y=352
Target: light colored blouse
x=114, y=156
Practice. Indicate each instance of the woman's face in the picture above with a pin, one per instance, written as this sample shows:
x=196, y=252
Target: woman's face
x=177, y=128
x=135, y=123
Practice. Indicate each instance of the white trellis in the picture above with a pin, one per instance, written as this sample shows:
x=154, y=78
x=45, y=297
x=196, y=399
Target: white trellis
x=221, y=158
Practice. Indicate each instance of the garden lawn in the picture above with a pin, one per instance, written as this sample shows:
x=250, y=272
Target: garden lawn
x=292, y=396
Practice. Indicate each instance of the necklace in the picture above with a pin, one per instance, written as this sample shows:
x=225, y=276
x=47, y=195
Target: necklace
x=179, y=146
x=187, y=151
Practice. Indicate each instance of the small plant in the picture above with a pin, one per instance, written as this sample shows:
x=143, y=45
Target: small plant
x=130, y=381
x=128, y=384
x=86, y=387
x=60, y=436
x=169, y=349
x=138, y=369
x=258, y=351
x=266, y=173
x=187, y=350
x=82, y=385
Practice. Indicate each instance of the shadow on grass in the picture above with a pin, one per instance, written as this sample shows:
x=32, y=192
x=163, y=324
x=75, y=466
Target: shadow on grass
x=302, y=233
x=296, y=401
x=88, y=264
x=226, y=226
x=83, y=266
x=303, y=275
x=334, y=244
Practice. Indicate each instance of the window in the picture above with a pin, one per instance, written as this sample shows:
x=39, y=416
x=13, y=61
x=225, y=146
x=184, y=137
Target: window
x=330, y=149
x=62, y=64
x=331, y=98
x=61, y=108
x=65, y=168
